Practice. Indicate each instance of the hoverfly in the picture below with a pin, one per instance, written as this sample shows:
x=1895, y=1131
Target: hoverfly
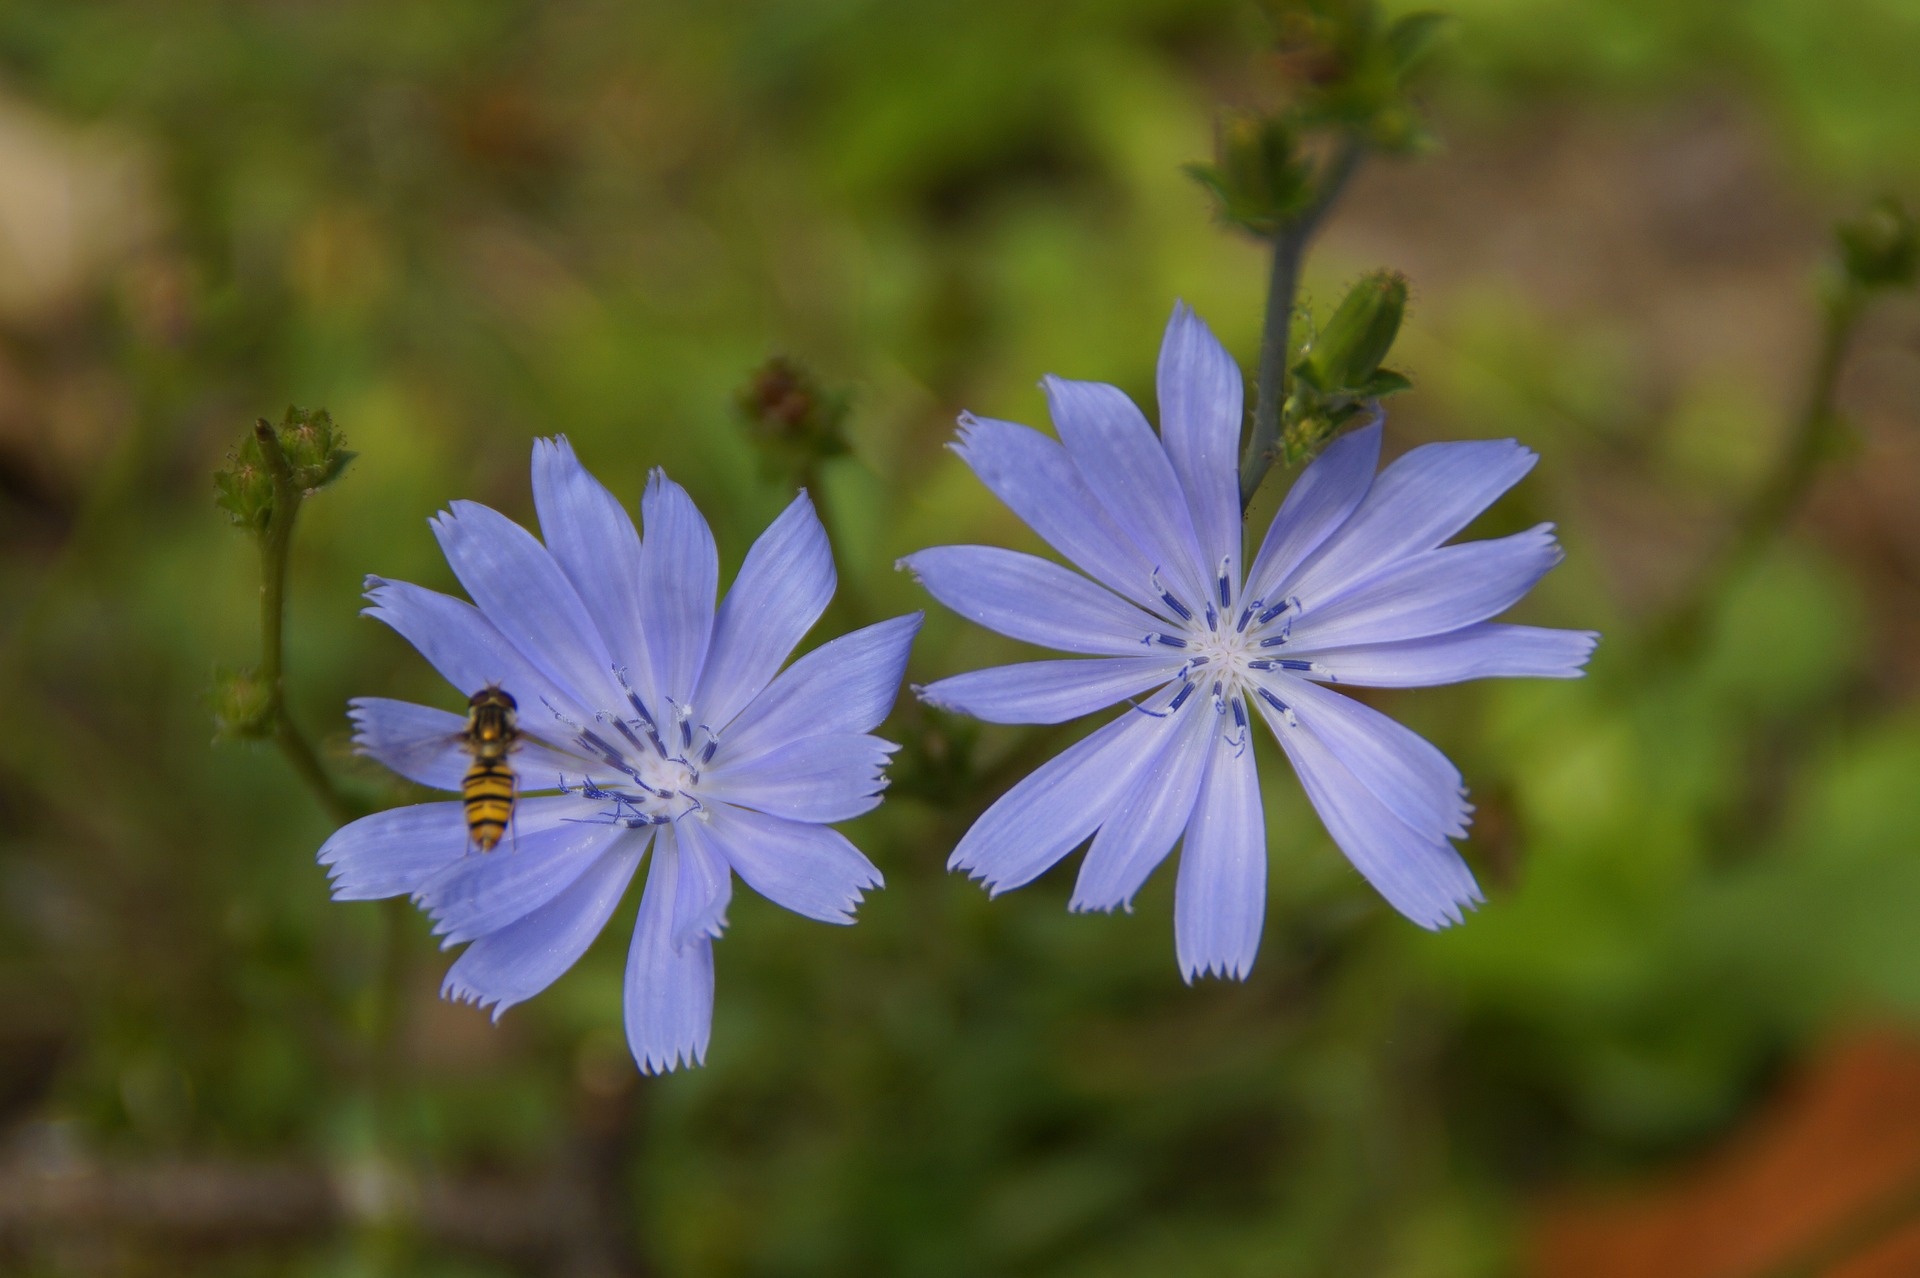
x=488, y=788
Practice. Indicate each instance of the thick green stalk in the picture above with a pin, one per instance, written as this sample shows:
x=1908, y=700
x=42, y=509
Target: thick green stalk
x=1283, y=283
x=276, y=541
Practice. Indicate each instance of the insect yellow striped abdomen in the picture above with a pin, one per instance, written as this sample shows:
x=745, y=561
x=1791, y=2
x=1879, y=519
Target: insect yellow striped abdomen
x=487, y=790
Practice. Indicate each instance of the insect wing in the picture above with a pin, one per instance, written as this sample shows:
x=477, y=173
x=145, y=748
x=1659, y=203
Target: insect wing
x=420, y=743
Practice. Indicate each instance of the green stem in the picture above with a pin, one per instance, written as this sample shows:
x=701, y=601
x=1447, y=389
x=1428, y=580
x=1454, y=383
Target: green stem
x=276, y=542
x=1289, y=248
x=1785, y=487
x=1813, y=437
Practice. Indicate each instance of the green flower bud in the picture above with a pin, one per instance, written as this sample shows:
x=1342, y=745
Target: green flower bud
x=246, y=487
x=1258, y=178
x=242, y=706
x=313, y=446
x=307, y=444
x=1345, y=358
x=1881, y=247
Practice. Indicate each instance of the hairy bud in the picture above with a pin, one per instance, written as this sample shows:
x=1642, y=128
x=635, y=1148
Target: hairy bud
x=1258, y=179
x=1345, y=358
x=793, y=419
x=242, y=705
x=1881, y=247
x=306, y=445
x=245, y=487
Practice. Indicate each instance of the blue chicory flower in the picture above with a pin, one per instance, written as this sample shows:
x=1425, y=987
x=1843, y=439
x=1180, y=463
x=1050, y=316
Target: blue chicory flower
x=1351, y=586
x=648, y=717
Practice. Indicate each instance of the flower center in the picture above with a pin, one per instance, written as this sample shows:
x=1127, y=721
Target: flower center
x=1229, y=644
x=651, y=768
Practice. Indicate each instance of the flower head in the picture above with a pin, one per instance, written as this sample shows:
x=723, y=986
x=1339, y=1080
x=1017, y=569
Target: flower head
x=647, y=718
x=1351, y=586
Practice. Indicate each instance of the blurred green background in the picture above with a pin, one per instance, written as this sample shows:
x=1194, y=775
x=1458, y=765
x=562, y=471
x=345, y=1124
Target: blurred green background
x=461, y=225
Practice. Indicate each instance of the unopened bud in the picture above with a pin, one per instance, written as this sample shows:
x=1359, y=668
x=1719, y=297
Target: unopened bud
x=1258, y=178
x=246, y=487
x=791, y=416
x=242, y=706
x=1881, y=247
x=314, y=447
x=1345, y=358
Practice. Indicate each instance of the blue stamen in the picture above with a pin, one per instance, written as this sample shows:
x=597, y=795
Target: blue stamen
x=1289, y=602
x=1172, y=641
x=706, y=755
x=1246, y=614
x=1294, y=663
x=1180, y=697
x=628, y=733
x=1273, y=641
x=1273, y=701
x=1186, y=613
x=1226, y=585
x=1213, y=618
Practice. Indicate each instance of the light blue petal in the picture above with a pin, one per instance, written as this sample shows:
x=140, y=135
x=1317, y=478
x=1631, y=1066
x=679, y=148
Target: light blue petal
x=1036, y=479
x=540, y=858
x=1032, y=599
x=680, y=573
x=1220, y=897
x=591, y=536
x=1201, y=410
x=1126, y=468
x=1431, y=593
x=1320, y=501
x=810, y=869
x=669, y=989
x=1049, y=691
x=470, y=653
x=424, y=745
x=1137, y=837
x=1059, y=804
x=1488, y=650
x=784, y=585
x=847, y=685
x=523, y=592
x=824, y=778
x=392, y=853
x=1423, y=878
x=705, y=886
x=1403, y=769
x=1425, y=497
x=512, y=965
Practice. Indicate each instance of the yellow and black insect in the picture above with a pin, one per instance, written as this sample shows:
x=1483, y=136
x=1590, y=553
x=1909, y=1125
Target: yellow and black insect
x=487, y=791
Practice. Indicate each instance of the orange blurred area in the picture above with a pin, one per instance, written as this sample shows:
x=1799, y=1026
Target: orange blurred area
x=1824, y=1180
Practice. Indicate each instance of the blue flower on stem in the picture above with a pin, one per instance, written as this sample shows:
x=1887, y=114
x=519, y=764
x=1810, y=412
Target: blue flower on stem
x=1351, y=586
x=648, y=718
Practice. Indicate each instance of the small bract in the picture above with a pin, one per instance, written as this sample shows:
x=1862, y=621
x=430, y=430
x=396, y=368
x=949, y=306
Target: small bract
x=1351, y=586
x=645, y=719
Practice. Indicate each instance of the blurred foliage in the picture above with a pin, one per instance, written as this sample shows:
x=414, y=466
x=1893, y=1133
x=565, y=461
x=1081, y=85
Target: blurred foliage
x=459, y=225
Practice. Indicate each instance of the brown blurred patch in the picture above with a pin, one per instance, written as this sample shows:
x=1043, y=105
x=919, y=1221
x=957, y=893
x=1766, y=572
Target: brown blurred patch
x=1681, y=237
x=1825, y=1181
